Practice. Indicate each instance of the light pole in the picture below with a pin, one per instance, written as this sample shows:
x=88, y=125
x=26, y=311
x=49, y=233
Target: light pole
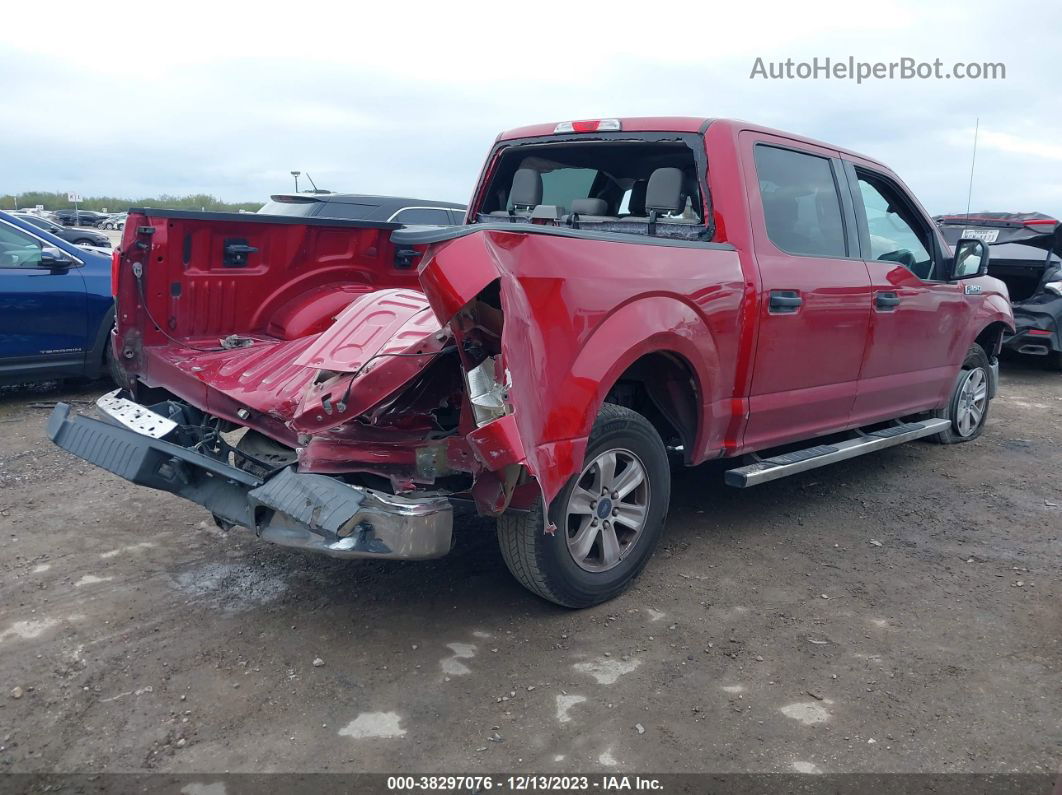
x=296, y=175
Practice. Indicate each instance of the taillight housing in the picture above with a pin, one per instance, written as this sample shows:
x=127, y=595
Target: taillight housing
x=588, y=125
x=488, y=390
x=116, y=258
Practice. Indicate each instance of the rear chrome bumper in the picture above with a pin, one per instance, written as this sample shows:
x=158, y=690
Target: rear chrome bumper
x=313, y=512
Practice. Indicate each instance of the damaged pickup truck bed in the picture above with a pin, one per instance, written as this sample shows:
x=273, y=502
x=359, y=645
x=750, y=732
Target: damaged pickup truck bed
x=625, y=294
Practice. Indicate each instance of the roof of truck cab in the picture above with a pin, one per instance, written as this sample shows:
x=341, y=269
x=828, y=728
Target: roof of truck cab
x=683, y=124
x=368, y=198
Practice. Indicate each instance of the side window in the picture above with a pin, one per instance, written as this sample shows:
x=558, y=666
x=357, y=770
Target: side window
x=458, y=217
x=17, y=249
x=800, y=203
x=895, y=233
x=428, y=216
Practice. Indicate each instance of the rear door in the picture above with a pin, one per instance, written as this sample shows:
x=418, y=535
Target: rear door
x=813, y=307
x=918, y=320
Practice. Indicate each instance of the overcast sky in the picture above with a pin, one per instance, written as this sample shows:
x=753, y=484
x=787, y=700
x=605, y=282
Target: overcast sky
x=228, y=98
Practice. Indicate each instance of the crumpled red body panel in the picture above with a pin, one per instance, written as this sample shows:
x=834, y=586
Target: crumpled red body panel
x=577, y=313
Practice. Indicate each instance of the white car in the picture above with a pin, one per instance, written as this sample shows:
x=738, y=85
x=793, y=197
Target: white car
x=113, y=221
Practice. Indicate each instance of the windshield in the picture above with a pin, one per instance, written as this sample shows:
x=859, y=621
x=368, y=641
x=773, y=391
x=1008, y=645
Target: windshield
x=43, y=223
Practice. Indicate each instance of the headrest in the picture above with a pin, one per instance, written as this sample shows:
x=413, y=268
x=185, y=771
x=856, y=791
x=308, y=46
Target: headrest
x=589, y=206
x=527, y=188
x=664, y=192
x=636, y=202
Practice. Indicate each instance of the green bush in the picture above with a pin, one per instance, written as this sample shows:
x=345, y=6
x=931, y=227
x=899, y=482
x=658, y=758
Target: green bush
x=114, y=204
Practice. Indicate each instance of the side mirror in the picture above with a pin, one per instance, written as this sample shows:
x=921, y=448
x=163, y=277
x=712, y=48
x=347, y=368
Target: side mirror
x=54, y=259
x=971, y=258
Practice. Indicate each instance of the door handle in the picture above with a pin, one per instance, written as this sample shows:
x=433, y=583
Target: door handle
x=886, y=300
x=784, y=301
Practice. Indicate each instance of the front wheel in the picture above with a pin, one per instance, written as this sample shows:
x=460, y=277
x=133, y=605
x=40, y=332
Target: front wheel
x=608, y=518
x=968, y=404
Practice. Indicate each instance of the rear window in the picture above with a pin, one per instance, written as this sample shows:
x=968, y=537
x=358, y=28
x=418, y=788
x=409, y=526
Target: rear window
x=602, y=185
x=297, y=207
x=425, y=216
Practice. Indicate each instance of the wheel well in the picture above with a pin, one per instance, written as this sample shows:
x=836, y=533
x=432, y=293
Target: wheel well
x=662, y=388
x=991, y=338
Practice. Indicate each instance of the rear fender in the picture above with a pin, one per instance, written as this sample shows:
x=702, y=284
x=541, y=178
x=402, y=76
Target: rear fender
x=560, y=370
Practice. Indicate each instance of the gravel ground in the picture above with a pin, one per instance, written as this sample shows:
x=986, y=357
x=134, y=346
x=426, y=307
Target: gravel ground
x=899, y=612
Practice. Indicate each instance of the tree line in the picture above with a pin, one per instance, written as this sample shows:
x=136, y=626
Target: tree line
x=117, y=204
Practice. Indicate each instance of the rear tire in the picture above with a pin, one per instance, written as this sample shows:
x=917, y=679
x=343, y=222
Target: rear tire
x=968, y=404
x=608, y=518
x=84, y=241
x=114, y=369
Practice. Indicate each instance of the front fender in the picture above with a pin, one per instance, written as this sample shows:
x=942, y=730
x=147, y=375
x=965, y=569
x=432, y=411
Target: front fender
x=994, y=308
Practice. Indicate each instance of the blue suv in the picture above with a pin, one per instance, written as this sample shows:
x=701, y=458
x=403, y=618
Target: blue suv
x=56, y=308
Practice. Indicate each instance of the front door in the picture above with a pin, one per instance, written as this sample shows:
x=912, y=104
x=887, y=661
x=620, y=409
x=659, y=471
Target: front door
x=917, y=319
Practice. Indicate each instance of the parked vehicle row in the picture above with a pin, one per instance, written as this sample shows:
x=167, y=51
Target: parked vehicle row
x=78, y=217
x=113, y=221
x=610, y=302
x=76, y=235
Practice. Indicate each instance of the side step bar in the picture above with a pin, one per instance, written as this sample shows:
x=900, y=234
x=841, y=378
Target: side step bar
x=781, y=466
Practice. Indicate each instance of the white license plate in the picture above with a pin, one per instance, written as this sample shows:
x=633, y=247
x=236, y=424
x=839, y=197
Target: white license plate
x=987, y=235
x=134, y=416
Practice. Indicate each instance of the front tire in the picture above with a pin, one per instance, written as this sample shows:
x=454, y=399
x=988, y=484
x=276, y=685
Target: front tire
x=608, y=518
x=968, y=404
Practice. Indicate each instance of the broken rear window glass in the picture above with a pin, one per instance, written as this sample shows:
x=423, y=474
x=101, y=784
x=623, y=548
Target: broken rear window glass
x=601, y=185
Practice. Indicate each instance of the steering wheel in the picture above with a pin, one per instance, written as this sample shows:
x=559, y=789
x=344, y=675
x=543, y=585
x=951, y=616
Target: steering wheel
x=902, y=256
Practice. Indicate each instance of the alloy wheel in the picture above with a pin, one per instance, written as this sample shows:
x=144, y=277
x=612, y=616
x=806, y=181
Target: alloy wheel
x=971, y=401
x=606, y=510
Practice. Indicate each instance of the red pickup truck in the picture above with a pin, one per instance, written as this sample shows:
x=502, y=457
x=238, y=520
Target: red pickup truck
x=625, y=294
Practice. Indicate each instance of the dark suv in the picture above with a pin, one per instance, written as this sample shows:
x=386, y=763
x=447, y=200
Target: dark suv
x=79, y=217
x=71, y=234
x=359, y=207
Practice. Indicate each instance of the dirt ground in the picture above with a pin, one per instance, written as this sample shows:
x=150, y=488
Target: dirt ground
x=899, y=612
